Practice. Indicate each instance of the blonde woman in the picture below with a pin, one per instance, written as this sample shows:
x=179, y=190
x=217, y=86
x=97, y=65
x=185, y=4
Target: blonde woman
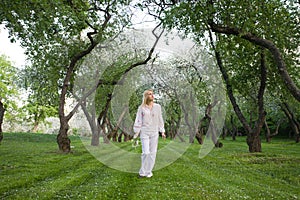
x=147, y=125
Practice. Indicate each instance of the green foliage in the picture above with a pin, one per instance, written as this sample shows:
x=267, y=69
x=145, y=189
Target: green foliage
x=173, y=116
x=53, y=33
x=36, y=170
x=274, y=20
x=9, y=93
x=42, y=98
x=8, y=84
x=36, y=114
x=49, y=34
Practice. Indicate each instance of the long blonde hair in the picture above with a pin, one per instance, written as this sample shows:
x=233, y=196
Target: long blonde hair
x=145, y=97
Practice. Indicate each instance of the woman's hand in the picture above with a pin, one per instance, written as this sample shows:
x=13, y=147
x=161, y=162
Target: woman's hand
x=163, y=135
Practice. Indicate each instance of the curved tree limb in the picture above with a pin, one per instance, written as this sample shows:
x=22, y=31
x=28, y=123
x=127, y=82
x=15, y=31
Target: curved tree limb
x=294, y=90
x=229, y=87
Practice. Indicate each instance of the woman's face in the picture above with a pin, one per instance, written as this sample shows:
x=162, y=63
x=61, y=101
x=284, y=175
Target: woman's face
x=150, y=95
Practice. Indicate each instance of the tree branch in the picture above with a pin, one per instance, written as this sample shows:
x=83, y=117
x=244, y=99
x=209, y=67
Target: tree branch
x=229, y=87
x=281, y=66
x=260, y=96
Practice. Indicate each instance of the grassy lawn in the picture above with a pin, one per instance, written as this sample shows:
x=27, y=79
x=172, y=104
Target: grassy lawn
x=32, y=168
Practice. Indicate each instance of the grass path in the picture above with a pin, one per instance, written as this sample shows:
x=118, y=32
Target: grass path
x=32, y=168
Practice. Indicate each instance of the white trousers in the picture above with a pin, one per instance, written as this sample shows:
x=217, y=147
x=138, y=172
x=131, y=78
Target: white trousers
x=149, y=142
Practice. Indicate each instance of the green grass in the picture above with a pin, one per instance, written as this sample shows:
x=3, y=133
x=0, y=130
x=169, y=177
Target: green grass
x=32, y=168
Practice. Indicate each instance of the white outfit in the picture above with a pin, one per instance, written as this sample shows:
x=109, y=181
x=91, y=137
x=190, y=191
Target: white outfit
x=148, y=123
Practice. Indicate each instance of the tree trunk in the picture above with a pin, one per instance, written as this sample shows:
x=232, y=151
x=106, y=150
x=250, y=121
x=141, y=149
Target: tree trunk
x=229, y=88
x=126, y=136
x=201, y=131
x=63, y=140
x=114, y=133
x=268, y=132
x=95, y=138
x=190, y=125
x=101, y=120
x=292, y=119
x=253, y=139
x=35, y=127
x=174, y=130
x=91, y=117
x=105, y=139
x=95, y=133
x=103, y=131
x=120, y=136
x=210, y=122
x=2, y=111
x=199, y=137
x=224, y=132
x=234, y=129
x=214, y=138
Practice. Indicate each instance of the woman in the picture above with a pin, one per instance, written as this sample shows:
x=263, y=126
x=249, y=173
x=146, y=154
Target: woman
x=148, y=124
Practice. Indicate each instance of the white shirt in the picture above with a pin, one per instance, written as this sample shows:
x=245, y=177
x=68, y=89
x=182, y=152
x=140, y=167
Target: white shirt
x=149, y=119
